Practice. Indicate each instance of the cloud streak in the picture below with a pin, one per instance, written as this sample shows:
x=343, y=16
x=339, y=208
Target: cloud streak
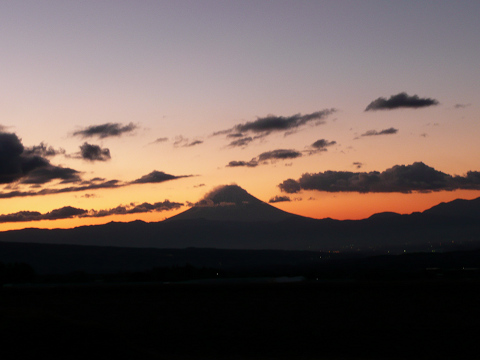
x=68, y=212
x=417, y=177
x=283, y=154
x=157, y=177
x=180, y=141
x=389, y=131
x=263, y=158
x=401, y=100
x=94, y=184
x=277, y=199
x=105, y=130
x=263, y=126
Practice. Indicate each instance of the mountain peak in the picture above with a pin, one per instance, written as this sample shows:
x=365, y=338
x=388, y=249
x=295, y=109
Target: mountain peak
x=232, y=203
x=227, y=195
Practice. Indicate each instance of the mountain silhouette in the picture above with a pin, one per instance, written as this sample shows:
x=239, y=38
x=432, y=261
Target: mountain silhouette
x=457, y=208
x=232, y=203
x=230, y=218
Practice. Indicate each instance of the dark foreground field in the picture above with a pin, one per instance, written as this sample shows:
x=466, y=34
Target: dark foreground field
x=398, y=320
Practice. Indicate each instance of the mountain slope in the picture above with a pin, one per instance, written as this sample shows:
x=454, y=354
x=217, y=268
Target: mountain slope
x=230, y=218
x=232, y=203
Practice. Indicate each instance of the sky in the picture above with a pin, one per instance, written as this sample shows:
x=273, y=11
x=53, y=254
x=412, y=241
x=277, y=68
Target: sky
x=133, y=110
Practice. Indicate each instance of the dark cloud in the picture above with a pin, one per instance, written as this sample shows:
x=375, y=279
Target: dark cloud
x=47, y=173
x=401, y=100
x=235, y=135
x=65, y=212
x=42, y=150
x=279, y=154
x=135, y=209
x=95, y=184
x=322, y=144
x=193, y=143
x=319, y=146
x=68, y=212
x=277, y=199
x=94, y=152
x=251, y=163
x=111, y=184
x=105, y=130
x=400, y=178
x=290, y=186
x=12, y=163
x=264, y=126
x=157, y=177
x=241, y=142
x=461, y=106
x=388, y=131
x=280, y=123
x=357, y=164
x=16, y=164
x=160, y=140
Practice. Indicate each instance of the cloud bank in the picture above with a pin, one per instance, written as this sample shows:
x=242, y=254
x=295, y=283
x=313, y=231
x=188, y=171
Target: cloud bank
x=400, y=178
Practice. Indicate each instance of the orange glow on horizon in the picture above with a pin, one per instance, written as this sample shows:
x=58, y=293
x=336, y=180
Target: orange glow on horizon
x=340, y=206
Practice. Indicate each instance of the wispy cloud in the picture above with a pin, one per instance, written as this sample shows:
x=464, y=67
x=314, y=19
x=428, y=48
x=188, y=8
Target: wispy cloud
x=461, y=106
x=180, y=141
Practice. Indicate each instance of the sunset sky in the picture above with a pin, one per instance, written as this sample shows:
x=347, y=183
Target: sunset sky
x=125, y=110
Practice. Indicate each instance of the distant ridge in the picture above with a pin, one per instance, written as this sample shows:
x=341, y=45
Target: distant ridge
x=457, y=208
x=230, y=218
x=232, y=203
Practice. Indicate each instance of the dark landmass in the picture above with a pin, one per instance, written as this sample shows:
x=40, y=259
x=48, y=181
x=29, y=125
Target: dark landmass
x=337, y=320
x=203, y=285
x=445, y=227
